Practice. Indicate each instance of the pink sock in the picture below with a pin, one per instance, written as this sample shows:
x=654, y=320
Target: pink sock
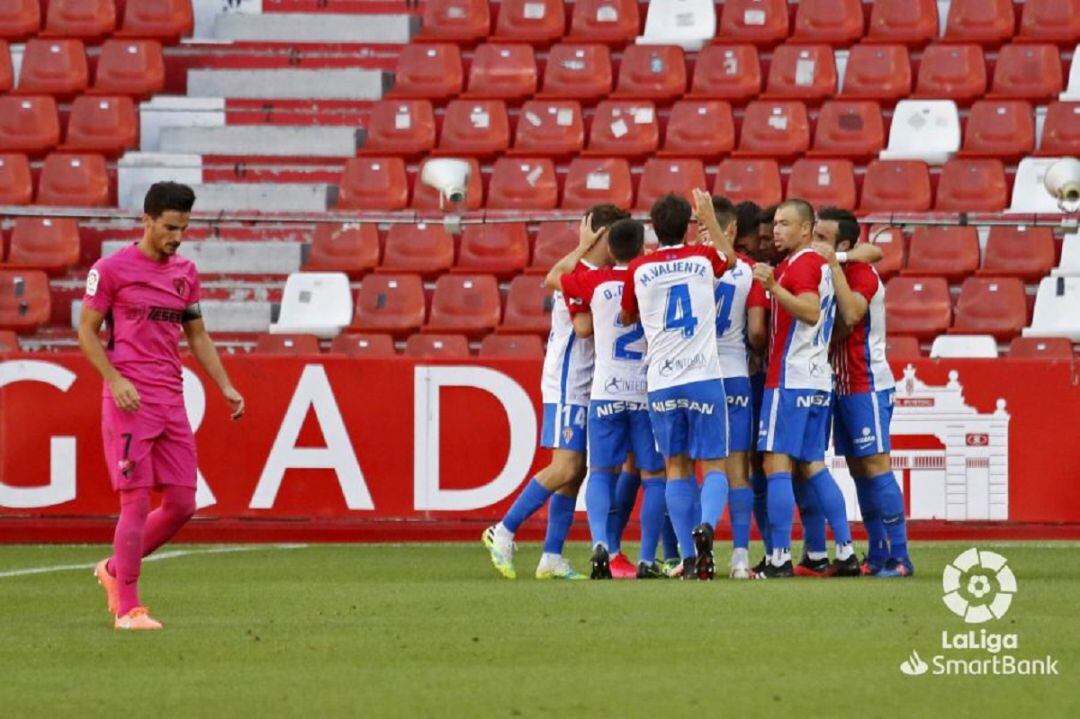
x=177, y=507
x=128, y=544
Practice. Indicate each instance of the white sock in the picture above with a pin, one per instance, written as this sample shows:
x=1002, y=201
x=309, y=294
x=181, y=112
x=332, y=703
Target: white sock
x=548, y=558
x=780, y=557
x=817, y=556
x=843, y=551
x=502, y=534
x=740, y=557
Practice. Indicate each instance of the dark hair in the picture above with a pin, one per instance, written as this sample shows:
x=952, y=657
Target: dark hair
x=747, y=218
x=626, y=238
x=847, y=226
x=605, y=215
x=725, y=211
x=165, y=196
x=767, y=215
x=804, y=208
x=670, y=217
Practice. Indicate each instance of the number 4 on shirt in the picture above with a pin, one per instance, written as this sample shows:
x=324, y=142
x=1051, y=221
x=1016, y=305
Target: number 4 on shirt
x=680, y=311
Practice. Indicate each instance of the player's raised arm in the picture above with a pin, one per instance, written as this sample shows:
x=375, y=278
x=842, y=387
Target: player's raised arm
x=862, y=252
x=706, y=215
x=206, y=353
x=803, y=307
x=587, y=237
x=851, y=305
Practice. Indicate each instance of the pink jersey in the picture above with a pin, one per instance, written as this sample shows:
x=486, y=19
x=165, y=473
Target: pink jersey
x=798, y=352
x=859, y=359
x=144, y=302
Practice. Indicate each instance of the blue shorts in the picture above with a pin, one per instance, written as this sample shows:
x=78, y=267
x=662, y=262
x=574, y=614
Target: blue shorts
x=795, y=422
x=691, y=419
x=740, y=413
x=565, y=429
x=618, y=428
x=861, y=423
x=757, y=396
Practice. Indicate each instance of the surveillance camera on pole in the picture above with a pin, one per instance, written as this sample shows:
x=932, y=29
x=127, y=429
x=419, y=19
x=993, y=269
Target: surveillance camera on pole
x=450, y=178
x=1062, y=181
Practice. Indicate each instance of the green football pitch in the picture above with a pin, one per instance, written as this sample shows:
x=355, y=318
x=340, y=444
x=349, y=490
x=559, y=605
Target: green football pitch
x=430, y=631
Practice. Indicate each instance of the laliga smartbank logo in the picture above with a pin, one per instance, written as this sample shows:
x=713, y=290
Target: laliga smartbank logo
x=979, y=587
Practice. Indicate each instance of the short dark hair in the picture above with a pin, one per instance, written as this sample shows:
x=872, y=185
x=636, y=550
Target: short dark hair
x=670, y=217
x=747, y=218
x=847, y=225
x=804, y=208
x=165, y=196
x=626, y=238
x=767, y=215
x=725, y=211
x=606, y=215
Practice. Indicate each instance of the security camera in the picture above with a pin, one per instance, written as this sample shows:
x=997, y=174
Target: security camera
x=1063, y=183
x=450, y=178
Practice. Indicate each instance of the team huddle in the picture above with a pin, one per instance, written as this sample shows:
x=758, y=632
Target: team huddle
x=701, y=358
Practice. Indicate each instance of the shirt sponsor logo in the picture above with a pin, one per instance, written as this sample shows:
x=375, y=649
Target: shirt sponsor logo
x=738, y=400
x=92, y=280
x=674, y=366
x=180, y=285
x=815, y=400
x=670, y=405
x=621, y=385
x=611, y=408
x=165, y=314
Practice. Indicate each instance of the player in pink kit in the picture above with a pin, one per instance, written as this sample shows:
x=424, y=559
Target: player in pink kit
x=146, y=294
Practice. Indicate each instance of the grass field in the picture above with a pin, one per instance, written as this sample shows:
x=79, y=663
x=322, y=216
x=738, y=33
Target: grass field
x=430, y=631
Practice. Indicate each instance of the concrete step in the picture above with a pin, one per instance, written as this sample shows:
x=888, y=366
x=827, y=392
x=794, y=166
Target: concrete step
x=322, y=84
x=262, y=141
x=233, y=258
x=316, y=27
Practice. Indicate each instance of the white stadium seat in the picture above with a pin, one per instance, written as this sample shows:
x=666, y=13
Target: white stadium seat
x=1072, y=91
x=926, y=130
x=1056, y=306
x=1029, y=192
x=688, y=23
x=1070, y=257
x=315, y=303
x=958, y=346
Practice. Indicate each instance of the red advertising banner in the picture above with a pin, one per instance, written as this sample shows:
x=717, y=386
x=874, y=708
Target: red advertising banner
x=332, y=439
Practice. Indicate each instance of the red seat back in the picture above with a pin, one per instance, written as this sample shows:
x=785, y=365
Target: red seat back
x=1048, y=348
x=512, y=347
x=656, y=72
x=1000, y=128
x=74, y=180
x=624, y=128
x=703, y=129
x=850, y=129
x=988, y=22
x=465, y=21
x=528, y=306
x=952, y=72
x=949, y=252
x=612, y=22
x=428, y=72
x=24, y=300
x=402, y=127
x=1061, y=132
x=727, y=72
x=917, y=306
x=591, y=181
x=502, y=71
x=972, y=186
x=1053, y=20
x=352, y=249
x=500, y=249
x=896, y=186
x=804, y=72
x=893, y=244
x=1018, y=251
x=475, y=128
x=49, y=244
x=1028, y=72
x=823, y=183
x=754, y=180
x=991, y=306
x=662, y=176
x=761, y=22
x=437, y=346
x=469, y=304
x=374, y=183
x=108, y=125
x=775, y=129
x=911, y=22
x=577, y=72
x=535, y=21
x=166, y=20
x=363, y=345
x=521, y=183
x=425, y=248
x=90, y=19
x=550, y=127
x=54, y=66
x=287, y=345
x=393, y=304
x=16, y=183
x=878, y=72
x=553, y=242
x=130, y=67
x=835, y=22
x=19, y=19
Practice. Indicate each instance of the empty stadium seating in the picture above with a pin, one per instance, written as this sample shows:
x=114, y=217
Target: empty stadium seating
x=924, y=130
x=19, y=19
x=612, y=22
x=165, y=20
x=1055, y=309
x=535, y=21
x=106, y=125
x=287, y=344
x=991, y=305
x=88, y=19
x=702, y=129
x=24, y=300
x=1048, y=348
x=528, y=306
x=952, y=72
x=497, y=249
x=554, y=240
x=834, y=22
x=9, y=342
x=16, y=183
x=964, y=346
x=363, y=345
x=466, y=21
x=314, y=303
x=761, y=22
x=656, y=72
x=391, y=304
x=130, y=67
x=778, y=129
x=49, y=244
x=623, y=128
x=523, y=184
x=902, y=348
x=475, y=128
x=989, y=22
x=823, y=183
x=804, y=72
x=74, y=180
x=401, y=127
x=1024, y=252
x=911, y=22
x=754, y=180
x=1000, y=128
x=549, y=128
x=662, y=176
x=577, y=72
x=1061, y=131
x=949, y=252
x=972, y=186
x=591, y=181
x=1027, y=72
x=426, y=249
x=507, y=347
x=352, y=249
x=53, y=66
x=430, y=72
x=849, y=129
x=467, y=304
x=896, y=186
x=374, y=183
x=1050, y=20
x=506, y=72
x=918, y=306
x=726, y=72
x=878, y=72
x=440, y=346
x=893, y=244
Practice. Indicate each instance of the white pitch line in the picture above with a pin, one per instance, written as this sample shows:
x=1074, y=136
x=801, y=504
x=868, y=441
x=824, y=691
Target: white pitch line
x=171, y=554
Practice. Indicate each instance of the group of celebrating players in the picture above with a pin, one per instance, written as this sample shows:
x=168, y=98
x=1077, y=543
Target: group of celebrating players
x=702, y=358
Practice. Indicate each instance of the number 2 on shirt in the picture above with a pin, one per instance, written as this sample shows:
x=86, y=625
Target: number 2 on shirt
x=680, y=311
x=623, y=342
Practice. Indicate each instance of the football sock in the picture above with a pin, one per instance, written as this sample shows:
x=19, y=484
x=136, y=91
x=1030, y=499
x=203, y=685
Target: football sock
x=697, y=497
x=679, y=494
x=813, y=522
x=560, y=519
x=652, y=517
x=831, y=500
x=530, y=500
x=177, y=507
x=714, y=494
x=741, y=506
x=761, y=510
x=890, y=502
x=667, y=535
x=626, y=490
x=781, y=507
x=599, y=493
x=871, y=518
x=128, y=545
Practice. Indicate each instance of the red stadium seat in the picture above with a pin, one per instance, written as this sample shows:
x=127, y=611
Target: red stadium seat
x=949, y=252
x=28, y=124
x=550, y=128
x=497, y=346
x=86, y=19
x=9, y=343
x=505, y=72
x=754, y=180
x=878, y=72
x=896, y=186
x=823, y=183
x=287, y=345
x=19, y=19
x=991, y=306
x=727, y=72
x=440, y=346
x=7, y=74
x=988, y=22
x=528, y=306
x=761, y=22
x=108, y=125
x=1018, y=251
x=401, y=127
x=972, y=186
x=901, y=348
x=521, y=183
x=802, y=72
x=1000, y=128
x=464, y=21
x=362, y=345
x=918, y=306
x=704, y=129
x=130, y=67
x=390, y=303
x=16, y=183
x=74, y=180
x=540, y=22
x=352, y=248
x=612, y=22
x=475, y=128
x=1028, y=72
x=774, y=129
x=577, y=72
x=374, y=183
x=592, y=180
x=1055, y=21
x=469, y=304
x=656, y=72
x=662, y=175
x=426, y=198
x=24, y=300
x=49, y=244
x=910, y=22
x=624, y=128
x=849, y=129
x=952, y=72
x=500, y=249
x=1061, y=131
x=893, y=244
x=426, y=249
x=53, y=66
x=553, y=242
x=165, y=20
x=430, y=72
x=1048, y=348
x=835, y=22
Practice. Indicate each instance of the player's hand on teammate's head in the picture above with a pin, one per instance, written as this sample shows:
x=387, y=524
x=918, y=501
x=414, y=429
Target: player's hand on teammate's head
x=587, y=236
x=764, y=274
x=125, y=395
x=703, y=206
x=702, y=237
x=825, y=250
x=236, y=402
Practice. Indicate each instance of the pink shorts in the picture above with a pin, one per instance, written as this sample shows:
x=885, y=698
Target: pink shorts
x=150, y=447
